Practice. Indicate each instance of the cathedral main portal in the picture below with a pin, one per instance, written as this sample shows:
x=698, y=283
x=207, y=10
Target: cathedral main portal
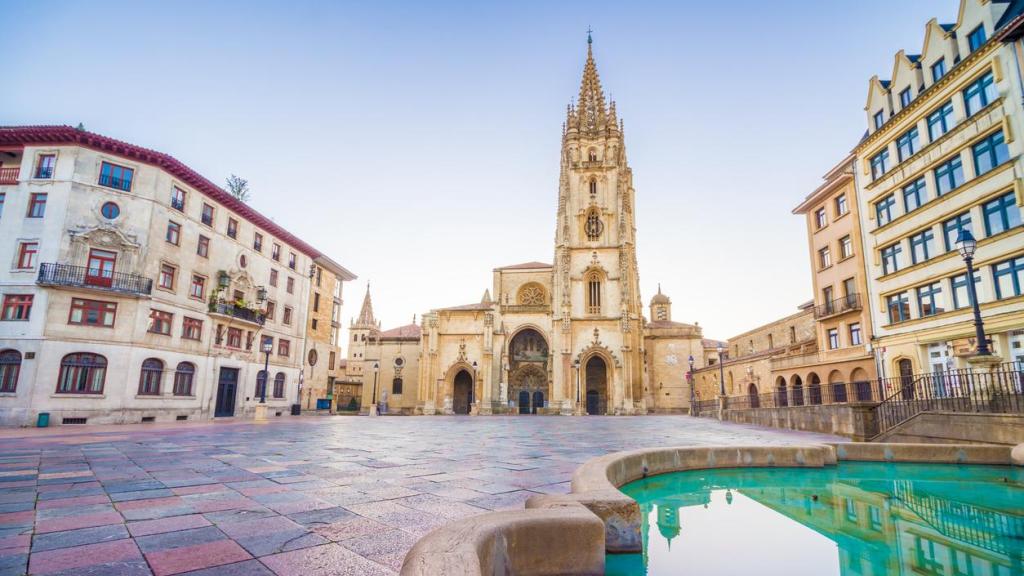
x=529, y=377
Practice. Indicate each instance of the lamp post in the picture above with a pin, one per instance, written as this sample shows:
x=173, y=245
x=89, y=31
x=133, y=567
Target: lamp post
x=690, y=380
x=268, y=347
x=472, y=391
x=721, y=371
x=967, y=245
x=373, y=398
x=579, y=392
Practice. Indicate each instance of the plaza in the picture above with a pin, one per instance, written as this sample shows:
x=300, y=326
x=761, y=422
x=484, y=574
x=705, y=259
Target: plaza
x=309, y=495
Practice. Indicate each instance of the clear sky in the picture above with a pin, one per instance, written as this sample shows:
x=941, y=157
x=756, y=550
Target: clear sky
x=417, y=142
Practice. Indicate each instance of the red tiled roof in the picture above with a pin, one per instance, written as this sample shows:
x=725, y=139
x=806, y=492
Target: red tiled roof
x=407, y=331
x=66, y=135
x=525, y=266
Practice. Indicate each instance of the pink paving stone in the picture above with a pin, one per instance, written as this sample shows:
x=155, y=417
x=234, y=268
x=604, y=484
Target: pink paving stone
x=326, y=560
x=188, y=558
x=17, y=517
x=19, y=484
x=150, y=503
x=52, y=475
x=63, y=487
x=83, y=556
x=161, y=525
x=76, y=501
x=218, y=505
x=201, y=489
x=75, y=522
x=263, y=490
x=17, y=541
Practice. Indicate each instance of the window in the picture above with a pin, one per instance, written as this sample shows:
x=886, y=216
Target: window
x=206, y=216
x=203, y=247
x=150, y=377
x=593, y=294
x=961, y=293
x=160, y=322
x=989, y=153
x=319, y=275
x=949, y=176
x=855, y=334
x=114, y=176
x=36, y=205
x=110, y=210
x=92, y=312
x=178, y=198
x=899, y=307
x=17, y=307
x=849, y=287
x=976, y=38
x=951, y=229
x=275, y=252
x=173, y=233
x=396, y=386
x=290, y=285
x=841, y=207
x=922, y=246
x=940, y=121
x=929, y=299
x=183, y=376
x=273, y=277
x=820, y=219
x=198, y=287
x=191, y=328
x=914, y=195
x=1001, y=214
x=891, y=258
x=232, y=228
x=316, y=301
x=879, y=119
x=291, y=260
x=979, y=94
x=166, y=279
x=82, y=373
x=279, y=385
x=44, y=166
x=1009, y=278
x=261, y=383
x=883, y=209
x=271, y=308
x=234, y=337
x=27, y=253
x=905, y=97
x=331, y=360
x=284, y=347
x=313, y=324
x=825, y=257
x=908, y=144
x=10, y=366
x=100, y=268
x=257, y=241
x=3, y=198
x=845, y=247
x=938, y=69
x=879, y=164
x=286, y=316
x=833, y=338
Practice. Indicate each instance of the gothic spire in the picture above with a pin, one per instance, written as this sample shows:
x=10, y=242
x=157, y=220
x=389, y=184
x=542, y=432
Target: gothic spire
x=591, y=105
x=366, y=313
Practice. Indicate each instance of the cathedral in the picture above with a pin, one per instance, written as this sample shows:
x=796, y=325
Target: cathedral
x=569, y=337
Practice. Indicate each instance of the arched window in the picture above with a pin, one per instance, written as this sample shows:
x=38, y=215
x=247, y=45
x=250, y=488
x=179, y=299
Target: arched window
x=261, y=383
x=82, y=373
x=396, y=386
x=183, y=378
x=592, y=155
x=150, y=377
x=593, y=294
x=594, y=226
x=279, y=385
x=593, y=187
x=10, y=367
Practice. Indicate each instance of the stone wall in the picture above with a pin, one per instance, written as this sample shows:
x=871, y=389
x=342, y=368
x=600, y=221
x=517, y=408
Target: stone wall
x=855, y=421
x=946, y=427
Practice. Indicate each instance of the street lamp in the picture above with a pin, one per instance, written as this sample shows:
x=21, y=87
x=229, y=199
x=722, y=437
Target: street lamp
x=690, y=380
x=579, y=392
x=472, y=391
x=373, y=399
x=268, y=347
x=721, y=370
x=967, y=245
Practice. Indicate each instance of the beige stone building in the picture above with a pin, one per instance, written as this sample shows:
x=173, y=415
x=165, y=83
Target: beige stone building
x=322, y=349
x=941, y=156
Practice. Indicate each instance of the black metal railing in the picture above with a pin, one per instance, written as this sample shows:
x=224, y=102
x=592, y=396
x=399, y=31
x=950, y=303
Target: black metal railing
x=838, y=306
x=178, y=204
x=44, y=172
x=51, y=274
x=706, y=407
x=239, y=312
x=115, y=182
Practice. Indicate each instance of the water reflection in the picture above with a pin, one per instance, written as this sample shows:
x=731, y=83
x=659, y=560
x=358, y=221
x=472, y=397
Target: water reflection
x=853, y=519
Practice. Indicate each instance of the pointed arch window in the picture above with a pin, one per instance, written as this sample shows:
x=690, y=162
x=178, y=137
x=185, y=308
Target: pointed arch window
x=594, y=226
x=594, y=289
x=593, y=187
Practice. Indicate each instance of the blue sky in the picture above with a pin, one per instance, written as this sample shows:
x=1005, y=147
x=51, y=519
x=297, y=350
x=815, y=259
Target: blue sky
x=417, y=143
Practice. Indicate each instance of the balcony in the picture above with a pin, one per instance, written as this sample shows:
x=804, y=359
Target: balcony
x=9, y=175
x=838, y=306
x=525, y=308
x=65, y=275
x=44, y=172
x=238, y=313
x=588, y=164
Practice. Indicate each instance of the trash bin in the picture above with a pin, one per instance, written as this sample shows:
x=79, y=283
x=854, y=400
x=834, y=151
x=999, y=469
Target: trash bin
x=296, y=409
x=43, y=420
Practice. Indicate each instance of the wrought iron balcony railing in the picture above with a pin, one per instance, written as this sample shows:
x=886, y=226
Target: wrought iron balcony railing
x=9, y=175
x=51, y=274
x=238, y=312
x=838, y=306
x=44, y=172
x=115, y=182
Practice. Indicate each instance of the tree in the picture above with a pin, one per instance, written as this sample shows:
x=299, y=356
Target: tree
x=238, y=187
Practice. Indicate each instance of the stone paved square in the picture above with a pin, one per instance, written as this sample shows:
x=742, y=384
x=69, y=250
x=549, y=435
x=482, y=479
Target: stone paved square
x=309, y=495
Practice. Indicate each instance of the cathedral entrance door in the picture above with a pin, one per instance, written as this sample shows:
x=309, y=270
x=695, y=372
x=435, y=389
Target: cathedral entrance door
x=524, y=402
x=462, y=393
x=538, y=401
x=597, y=386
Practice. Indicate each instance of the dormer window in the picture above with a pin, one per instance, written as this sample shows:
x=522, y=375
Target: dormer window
x=976, y=39
x=938, y=69
x=879, y=119
x=905, y=98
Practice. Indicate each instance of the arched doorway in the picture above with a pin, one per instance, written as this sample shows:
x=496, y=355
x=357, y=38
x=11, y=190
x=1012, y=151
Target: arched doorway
x=813, y=389
x=906, y=368
x=781, y=399
x=528, y=370
x=837, y=386
x=524, y=402
x=755, y=400
x=538, y=401
x=597, y=386
x=798, y=391
x=462, y=392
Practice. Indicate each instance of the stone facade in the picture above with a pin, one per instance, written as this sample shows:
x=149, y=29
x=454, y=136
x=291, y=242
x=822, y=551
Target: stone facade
x=323, y=345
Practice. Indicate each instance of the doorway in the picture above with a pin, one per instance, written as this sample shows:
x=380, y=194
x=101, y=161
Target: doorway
x=538, y=401
x=906, y=369
x=227, y=387
x=597, y=386
x=462, y=392
x=100, y=268
x=524, y=402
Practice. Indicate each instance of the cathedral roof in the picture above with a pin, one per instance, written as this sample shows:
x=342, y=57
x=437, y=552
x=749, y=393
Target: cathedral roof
x=477, y=306
x=668, y=324
x=525, y=266
x=407, y=331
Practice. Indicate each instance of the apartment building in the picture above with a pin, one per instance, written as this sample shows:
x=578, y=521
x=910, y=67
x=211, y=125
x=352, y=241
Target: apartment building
x=942, y=157
x=323, y=334
x=138, y=290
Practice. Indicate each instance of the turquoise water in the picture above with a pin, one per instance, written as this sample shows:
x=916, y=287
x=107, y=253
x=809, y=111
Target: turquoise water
x=852, y=519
